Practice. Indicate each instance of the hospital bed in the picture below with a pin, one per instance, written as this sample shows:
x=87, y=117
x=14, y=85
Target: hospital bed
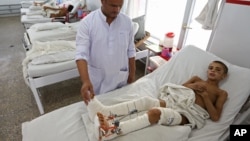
x=28, y=20
x=35, y=10
x=49, y=31
x=28, y=3
x=71, y=122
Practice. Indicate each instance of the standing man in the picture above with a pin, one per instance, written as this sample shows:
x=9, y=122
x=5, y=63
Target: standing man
x=105, y=50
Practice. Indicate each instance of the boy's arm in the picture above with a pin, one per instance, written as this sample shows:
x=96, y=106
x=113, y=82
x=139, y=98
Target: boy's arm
x=214, y=110
x=190, y=82
x=51, y=8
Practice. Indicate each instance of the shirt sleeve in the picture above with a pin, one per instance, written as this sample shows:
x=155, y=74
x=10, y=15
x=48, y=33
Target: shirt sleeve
x=82, y=42
x=131, y=49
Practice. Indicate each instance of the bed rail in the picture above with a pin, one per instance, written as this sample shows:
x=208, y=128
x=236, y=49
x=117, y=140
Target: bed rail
x=26, y=42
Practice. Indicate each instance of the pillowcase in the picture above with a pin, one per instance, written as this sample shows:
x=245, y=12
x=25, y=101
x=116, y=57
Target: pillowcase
x=141, y=31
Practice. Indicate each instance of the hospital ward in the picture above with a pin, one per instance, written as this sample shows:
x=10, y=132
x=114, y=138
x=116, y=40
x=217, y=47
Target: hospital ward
x=124, y=70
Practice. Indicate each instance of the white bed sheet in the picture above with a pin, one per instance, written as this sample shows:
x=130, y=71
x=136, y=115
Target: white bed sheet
x=66, y=123
x=67, y=32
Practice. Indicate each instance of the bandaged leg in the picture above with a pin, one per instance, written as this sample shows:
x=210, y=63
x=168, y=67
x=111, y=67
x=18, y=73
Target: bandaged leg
x=169, y=117
x=105, y=130
x=142, y=104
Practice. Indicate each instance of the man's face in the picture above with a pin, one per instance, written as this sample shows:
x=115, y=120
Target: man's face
x=111, y=8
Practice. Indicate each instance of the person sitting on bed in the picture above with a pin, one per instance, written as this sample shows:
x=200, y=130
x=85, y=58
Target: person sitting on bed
x=188, y=104
x=60, y=12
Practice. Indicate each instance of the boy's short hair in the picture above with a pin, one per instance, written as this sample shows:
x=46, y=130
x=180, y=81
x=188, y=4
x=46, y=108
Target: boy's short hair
x=70, y=7
x=223, y=64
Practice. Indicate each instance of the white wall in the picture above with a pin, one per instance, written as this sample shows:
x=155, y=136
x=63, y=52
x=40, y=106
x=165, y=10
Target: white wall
x=230, y=40
x=7, y=2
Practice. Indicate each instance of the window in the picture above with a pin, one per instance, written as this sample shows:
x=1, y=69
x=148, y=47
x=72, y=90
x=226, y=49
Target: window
x=164, y=16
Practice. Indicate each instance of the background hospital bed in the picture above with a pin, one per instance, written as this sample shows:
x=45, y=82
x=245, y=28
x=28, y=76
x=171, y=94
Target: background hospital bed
x=67, y=123
x=28, y=20
x=49, y=31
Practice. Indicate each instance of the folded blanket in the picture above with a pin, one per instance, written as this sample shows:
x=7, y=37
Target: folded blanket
x=50, y=48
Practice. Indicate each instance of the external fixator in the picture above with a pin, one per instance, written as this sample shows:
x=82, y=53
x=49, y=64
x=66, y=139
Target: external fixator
x=114, y=128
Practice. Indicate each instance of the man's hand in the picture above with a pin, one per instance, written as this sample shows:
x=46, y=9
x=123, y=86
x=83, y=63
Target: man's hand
x=87, y=92
x=131, y=78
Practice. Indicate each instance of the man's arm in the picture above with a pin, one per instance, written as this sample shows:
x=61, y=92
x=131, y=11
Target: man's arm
x=87, y=87
x=214, y=110
x=132, y=68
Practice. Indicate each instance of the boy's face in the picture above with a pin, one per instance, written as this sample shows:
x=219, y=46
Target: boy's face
x=216, y=71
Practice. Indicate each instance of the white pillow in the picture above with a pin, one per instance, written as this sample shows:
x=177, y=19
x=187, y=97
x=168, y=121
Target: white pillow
x=47, y=26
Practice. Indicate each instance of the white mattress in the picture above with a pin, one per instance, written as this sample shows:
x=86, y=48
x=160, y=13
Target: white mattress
x=26, y=20
x=63, y=33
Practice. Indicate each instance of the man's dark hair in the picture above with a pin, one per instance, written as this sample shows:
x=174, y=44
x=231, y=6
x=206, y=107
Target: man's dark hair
x=70, y=7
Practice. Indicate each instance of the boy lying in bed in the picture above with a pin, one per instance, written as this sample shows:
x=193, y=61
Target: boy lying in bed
x=188, y=104
x=54, y=12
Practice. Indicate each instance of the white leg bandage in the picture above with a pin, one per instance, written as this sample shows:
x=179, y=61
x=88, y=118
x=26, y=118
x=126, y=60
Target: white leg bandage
x=125, y=127
x=142, y=104
x=169, y=117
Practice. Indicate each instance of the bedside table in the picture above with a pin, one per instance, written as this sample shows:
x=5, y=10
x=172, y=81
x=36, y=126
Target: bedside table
x=157, y=60
x=151, y=48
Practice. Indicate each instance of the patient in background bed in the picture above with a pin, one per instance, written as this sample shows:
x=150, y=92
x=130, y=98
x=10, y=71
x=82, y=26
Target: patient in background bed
x=58, y=12
x=188, y=104
x=40, y=3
